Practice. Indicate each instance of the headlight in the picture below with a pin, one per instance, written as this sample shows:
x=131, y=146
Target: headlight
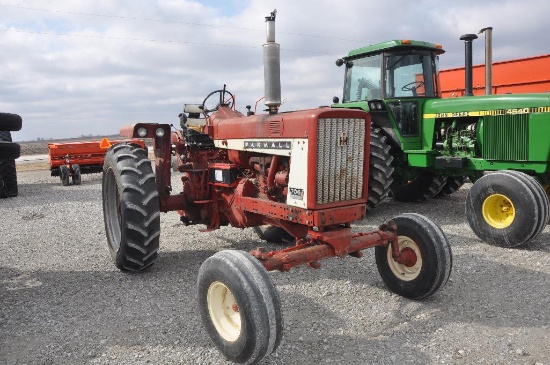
x=376, y=105
x=142, y=132
x=159, y=132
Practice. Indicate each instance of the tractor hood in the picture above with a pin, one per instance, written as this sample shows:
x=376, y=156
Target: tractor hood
x=504, y=104
x=229, y=124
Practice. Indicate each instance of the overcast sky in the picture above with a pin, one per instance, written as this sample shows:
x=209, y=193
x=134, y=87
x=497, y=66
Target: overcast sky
x=88, y=67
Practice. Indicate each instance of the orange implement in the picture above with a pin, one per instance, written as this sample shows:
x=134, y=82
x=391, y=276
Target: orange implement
x=518, y=76
x=89, y=155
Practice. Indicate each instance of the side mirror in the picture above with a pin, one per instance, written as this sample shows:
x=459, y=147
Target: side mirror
x=339, y=62
x=335, y=99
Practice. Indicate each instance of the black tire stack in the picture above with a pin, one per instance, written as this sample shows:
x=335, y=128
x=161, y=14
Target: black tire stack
x=9, y=151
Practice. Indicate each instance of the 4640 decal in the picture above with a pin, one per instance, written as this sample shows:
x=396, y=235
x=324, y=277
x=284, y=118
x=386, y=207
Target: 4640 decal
x=481, y=113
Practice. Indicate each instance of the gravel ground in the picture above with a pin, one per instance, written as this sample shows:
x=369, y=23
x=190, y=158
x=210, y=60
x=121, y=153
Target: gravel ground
x=62, y=301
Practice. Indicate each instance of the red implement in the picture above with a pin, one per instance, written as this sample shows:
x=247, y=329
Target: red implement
x=89, y=155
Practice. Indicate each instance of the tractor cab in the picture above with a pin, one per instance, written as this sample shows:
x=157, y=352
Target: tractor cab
x=396, y=76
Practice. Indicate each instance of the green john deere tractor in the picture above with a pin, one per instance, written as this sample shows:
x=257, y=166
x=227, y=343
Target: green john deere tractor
x=423, y=146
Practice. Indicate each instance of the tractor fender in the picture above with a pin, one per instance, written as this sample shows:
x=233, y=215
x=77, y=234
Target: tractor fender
x=382, y=121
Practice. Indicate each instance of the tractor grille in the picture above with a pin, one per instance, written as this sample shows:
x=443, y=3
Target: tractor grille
x=340, y=158
x=506, y=137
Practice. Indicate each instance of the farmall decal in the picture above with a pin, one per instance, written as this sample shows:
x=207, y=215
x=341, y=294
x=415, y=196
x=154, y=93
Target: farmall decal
x=268, y=145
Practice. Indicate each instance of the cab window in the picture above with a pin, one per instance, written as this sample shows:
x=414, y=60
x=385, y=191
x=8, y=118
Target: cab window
x=409, y=75
x=363, y=79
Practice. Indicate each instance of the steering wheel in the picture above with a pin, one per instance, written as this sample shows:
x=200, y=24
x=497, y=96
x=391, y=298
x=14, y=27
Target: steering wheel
x=412, y=86
x=214, y=104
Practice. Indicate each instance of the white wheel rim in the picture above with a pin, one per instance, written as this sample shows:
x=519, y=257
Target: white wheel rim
x=224, y=311
x=401, y=271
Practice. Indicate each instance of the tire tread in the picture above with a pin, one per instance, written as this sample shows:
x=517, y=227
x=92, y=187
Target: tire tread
x=140, y=231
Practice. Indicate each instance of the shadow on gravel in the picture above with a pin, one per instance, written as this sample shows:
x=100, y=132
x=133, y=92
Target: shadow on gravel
x=74, y=317
x=494, y=293
x=328, y=337
x=541, y=243
x=481, y=294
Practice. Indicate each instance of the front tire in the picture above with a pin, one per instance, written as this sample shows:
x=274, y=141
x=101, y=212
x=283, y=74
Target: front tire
x=239, y=306
x=506, y=208
x=429, y=258
x=541, y=196
x=131, y=208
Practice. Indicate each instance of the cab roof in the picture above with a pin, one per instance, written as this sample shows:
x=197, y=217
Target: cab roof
x=394, y=45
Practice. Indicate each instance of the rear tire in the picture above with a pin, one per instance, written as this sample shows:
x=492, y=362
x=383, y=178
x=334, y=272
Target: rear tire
x=453, y=184
x=239, y=306
x=380, y=168
x=506, y=208
x=424, y=186
x=77, y=175
x=131, y=208
x=64, y=175
x=431, y=258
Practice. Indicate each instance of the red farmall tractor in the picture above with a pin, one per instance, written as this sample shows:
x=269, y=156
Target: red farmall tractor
x=305, y=172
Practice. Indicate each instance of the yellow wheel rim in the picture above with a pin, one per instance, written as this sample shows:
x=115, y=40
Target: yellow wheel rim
x=498, y=211
x=224, y=311
x=401, y=271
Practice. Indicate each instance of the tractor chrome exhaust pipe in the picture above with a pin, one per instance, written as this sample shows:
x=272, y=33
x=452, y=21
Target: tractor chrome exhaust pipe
x=488, y=59
x=272, y=66
x=468, y=39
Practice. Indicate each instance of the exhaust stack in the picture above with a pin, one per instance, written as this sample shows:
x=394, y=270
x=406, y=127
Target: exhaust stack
x=468, y=39
x=272, y=66
x=488, y=59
